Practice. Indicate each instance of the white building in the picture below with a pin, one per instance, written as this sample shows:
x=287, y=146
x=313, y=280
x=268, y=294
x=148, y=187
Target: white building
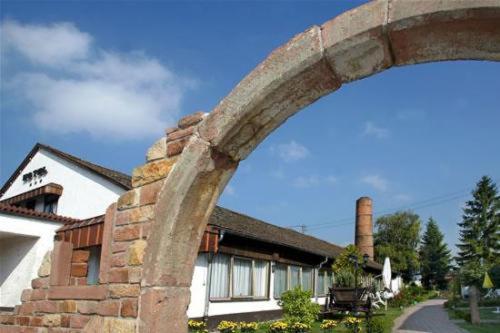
x=46, y=183
x=243, y=265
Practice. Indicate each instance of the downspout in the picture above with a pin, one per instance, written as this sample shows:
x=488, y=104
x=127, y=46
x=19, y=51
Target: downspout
x=209, y=277
x=317, y=272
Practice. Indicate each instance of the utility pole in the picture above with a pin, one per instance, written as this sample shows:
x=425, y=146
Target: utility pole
x=303, y=228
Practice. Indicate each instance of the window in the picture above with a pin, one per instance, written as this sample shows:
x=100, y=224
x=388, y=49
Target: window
x=289, y=277
x=50, y=205
x=31, y=204
x=280, y=280
x=236, y=277
x=307, y=281
x=242, y=277
x=94, y=265
x=325, y=281
x=219, y=283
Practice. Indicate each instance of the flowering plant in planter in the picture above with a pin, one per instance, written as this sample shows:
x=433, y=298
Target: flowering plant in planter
x=226, y=326
x=278, y=327
x=353, y=324
x=197, y=326
x=299, y=328
x=328, y=325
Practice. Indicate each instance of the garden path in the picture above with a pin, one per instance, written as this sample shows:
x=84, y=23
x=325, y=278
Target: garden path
x=429, y=317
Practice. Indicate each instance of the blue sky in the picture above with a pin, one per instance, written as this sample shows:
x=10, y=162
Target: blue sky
x=101, y=80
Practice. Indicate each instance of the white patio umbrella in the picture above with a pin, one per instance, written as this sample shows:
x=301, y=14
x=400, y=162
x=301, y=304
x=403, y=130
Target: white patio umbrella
x=387, y=274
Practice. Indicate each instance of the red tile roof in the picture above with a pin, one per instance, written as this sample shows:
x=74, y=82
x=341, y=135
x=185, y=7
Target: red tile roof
x=20, y=211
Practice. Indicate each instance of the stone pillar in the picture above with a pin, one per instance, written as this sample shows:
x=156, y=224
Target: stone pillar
x=364, y=226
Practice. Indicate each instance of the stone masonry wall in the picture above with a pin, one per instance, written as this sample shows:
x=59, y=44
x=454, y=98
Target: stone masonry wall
x=113, y=305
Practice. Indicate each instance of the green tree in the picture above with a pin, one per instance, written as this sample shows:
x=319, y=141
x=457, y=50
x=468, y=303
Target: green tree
x=434, y=257
x=479, y=246
x=480, y=227
x=397, y=236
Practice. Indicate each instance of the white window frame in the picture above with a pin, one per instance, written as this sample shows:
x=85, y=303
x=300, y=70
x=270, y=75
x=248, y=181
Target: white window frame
x=252, y=297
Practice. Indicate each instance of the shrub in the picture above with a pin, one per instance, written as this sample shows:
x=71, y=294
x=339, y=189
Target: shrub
x=298, y=307
x=375, y=325
x=227, y=326
x=278, y=326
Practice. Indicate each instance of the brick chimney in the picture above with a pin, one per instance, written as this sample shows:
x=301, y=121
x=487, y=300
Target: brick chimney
x=364, y=226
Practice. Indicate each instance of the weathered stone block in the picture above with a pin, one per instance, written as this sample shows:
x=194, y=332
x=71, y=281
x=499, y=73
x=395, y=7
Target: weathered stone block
x=40, y=283
x=119, y=259
x=68, y=306
x=51, y=320
x=109, y=308
x=158, y=150
x=141, y=214
x=47, y=306
x=128, y=199
x=354, y=42
x=136, y=252
x=129, y=308
x=176, y=147
x=152, y=171
x=79, y=270
x=118, y=247
x=149, y=193
x=26, y=295
x=78, y=293
x=118, y=275
x=191, y=119
x=44, y=269
x=180, y=134
x=124, y=290
x=78, y=321
x=87, y=307
x=116, y=325
x=126, y=233
x=134, y=274
x=38, y=294
x=80, y=256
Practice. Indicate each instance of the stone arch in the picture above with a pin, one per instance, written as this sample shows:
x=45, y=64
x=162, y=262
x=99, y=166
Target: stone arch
x=354, y=45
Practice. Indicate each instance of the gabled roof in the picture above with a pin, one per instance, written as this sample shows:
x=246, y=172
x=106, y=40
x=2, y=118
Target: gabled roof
x=247, y=226
x=116, y=177
x=25, y=212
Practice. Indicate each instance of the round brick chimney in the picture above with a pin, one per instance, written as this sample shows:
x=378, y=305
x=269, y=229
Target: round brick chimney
x=364, y=226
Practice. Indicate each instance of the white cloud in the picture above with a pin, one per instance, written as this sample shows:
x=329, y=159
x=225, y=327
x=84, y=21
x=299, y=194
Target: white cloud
x=370, y=129
x=291, y=151
x=46, y=44
x=105, y=94
x=376, y=181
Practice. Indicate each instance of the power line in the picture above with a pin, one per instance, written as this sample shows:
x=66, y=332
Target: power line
x=433, y=201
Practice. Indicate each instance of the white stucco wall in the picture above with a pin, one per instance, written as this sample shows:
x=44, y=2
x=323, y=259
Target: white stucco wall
x=23, y=243
x=85, y=194
x=198, y=292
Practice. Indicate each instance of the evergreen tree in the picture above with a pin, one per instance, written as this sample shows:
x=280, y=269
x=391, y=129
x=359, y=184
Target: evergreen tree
x=479, y=246
x=397, y=237
x=434, y=257
x=480, y=226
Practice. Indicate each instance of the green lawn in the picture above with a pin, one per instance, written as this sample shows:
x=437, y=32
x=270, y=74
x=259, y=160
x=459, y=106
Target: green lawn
x=483, y=328
x=388, y=319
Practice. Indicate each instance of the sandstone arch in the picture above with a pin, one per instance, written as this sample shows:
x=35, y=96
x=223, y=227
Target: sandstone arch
x=354, y=45
x=175, y=191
